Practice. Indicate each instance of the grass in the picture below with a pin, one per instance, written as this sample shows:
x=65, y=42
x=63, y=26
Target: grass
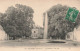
x=38, y=42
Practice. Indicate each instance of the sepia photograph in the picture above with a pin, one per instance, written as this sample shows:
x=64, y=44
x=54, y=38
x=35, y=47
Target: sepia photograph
x=39, y=25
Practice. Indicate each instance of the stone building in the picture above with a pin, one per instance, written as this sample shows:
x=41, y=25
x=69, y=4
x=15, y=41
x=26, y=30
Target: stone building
x=3, y=35
x=75, y=35
x=37, y=32
x=70, y=36
x=34, y=33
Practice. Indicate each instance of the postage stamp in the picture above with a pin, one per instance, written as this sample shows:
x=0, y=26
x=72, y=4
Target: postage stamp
x=72, y=14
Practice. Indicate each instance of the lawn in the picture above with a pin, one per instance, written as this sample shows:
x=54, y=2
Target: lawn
x=39, y=42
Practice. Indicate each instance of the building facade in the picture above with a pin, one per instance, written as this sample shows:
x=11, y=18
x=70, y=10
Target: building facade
x=37, y=32
x=3, y=35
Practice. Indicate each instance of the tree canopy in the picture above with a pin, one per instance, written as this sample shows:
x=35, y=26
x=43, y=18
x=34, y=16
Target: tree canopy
x=17, y=20
x=58, y=26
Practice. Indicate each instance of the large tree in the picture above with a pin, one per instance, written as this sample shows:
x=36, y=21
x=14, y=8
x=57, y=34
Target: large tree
x=58, y=26
x=17, y=20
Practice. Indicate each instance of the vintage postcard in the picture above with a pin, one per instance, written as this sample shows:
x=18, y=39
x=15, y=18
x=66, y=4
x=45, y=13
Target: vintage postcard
x=40, y=25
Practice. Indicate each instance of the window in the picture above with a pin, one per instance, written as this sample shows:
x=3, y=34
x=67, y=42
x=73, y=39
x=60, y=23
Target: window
x=34, y=31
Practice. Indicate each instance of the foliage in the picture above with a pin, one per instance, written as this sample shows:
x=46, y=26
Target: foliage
x=18, y=20
x=58, y=26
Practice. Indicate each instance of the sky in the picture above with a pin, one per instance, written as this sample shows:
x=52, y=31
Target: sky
x=39, y=6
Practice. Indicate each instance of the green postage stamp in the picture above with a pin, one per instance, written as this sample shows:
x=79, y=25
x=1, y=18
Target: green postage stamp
x=72, y=14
